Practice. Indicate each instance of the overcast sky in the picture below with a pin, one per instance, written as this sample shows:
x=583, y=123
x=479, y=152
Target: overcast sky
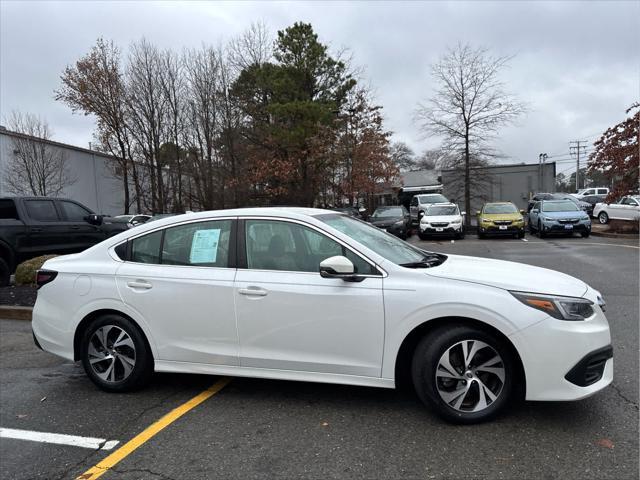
x=577, y=64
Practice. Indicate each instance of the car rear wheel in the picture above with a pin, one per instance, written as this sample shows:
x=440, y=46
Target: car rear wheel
x=464, y=374
x=115, y=355
x=603, y=218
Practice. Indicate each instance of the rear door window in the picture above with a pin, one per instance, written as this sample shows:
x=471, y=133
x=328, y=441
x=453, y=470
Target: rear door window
x=42, y=210
x=146, y=249
x=8, y=210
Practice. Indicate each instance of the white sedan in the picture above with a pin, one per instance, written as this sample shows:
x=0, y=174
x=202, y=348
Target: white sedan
x=314, y=295
x=627, y=208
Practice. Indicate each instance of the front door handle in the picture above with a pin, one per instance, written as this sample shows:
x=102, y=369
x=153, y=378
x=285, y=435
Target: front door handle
x=253, y=291
x=139, y=284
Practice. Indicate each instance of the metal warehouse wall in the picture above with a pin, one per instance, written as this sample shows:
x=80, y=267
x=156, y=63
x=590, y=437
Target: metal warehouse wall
x=512, y=183
x=95, y=186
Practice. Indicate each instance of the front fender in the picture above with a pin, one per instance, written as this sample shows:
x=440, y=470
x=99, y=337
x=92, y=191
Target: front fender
x=455, y=299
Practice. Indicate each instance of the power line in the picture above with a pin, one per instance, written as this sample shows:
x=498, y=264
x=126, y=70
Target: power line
x=576, y=147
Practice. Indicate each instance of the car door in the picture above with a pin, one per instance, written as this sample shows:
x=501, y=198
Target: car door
x=45, y=232
x=413, y=208
x=629, y=210
x=80, y=233
x=533, y=214
x=180, y=280
x=291, y=318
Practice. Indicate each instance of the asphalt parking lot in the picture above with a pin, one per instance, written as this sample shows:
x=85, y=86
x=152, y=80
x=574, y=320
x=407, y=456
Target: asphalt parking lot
x=276, y=429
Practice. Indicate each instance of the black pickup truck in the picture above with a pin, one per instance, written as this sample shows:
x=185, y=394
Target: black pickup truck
x=33, y=226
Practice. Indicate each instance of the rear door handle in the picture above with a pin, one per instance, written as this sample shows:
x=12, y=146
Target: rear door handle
x=139, y=284
x=75, y=227
x=253, y=291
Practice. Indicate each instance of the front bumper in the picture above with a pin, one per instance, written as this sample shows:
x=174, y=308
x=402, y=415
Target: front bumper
x=398, y=231
x=496, y=230
x=448, y=230
x=552, y=351
x=556, y=227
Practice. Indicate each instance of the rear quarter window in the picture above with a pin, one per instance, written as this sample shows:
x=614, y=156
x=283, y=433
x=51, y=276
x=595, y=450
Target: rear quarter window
x=8, y=210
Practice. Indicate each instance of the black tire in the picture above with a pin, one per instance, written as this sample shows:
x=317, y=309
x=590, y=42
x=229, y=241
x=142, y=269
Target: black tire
x=521, y=234
x=423, y=236
x=603, y=218
x=541, y=232
x=481, y=235
x=532, y=229
x=5, y=273
x=585, y=234
x=143, y=359
x=425, y=362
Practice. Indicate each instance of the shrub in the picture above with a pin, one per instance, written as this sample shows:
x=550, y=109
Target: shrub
x=26, y=271
x=623, y=226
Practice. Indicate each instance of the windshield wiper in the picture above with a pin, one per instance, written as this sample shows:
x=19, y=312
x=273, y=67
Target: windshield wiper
x=429, y=260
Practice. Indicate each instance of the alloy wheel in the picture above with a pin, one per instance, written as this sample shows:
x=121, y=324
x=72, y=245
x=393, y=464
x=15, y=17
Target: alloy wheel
x=470, y=376
x=112, y=353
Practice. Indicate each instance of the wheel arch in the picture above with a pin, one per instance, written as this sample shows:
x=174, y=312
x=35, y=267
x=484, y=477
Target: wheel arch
x=402, y=368
x=77, y=336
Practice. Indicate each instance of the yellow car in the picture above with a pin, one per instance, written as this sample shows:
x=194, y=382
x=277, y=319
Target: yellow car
x=500, y=218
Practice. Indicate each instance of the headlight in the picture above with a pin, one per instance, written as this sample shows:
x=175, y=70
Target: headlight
x=562, y=308
x=520, y=220
x=456, y=222
x=485, y=220
x=399, y=223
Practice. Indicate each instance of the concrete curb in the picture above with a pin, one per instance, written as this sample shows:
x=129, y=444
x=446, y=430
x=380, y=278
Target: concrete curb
x=15, y=313
x=615, y=235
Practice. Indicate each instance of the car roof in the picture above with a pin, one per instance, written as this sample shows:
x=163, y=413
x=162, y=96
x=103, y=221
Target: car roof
x=499, y=203
x=443, y=204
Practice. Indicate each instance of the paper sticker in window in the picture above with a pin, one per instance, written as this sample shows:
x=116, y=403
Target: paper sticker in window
x=204, y=246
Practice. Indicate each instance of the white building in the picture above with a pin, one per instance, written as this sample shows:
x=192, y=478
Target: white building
x=95, y=186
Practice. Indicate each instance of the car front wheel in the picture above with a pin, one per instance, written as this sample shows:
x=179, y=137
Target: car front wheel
x=603, y=218
x=115, y=355
x=464, y=374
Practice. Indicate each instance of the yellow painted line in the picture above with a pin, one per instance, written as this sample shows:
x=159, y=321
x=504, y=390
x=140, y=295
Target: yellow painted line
x=112, y=460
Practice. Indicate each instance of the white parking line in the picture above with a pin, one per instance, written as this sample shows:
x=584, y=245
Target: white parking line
x=59, y=439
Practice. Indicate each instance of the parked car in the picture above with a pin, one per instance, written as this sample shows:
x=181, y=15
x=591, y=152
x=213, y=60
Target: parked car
x=500, y=218
x=581, y=204
x=160, y=216
x=419, y=204
x=627, y=208
x=558, y=216
x=393, y=219
x=313, y=295
x=538, y=197
x=130, y=220
x=352, y=211
x=442, y=219
x=583, y=192
x=593, y=200
x=34, y=226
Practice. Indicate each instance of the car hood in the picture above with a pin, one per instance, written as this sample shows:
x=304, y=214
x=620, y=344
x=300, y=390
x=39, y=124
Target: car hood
x=386, y=221
x=442, y=218
x=509, y=276
x=502, y=216
x=570, y=214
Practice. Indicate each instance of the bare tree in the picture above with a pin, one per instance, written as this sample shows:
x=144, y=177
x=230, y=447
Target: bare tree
x=95, y=86
x=253, y=47
x=37, y=168
x=468, y=108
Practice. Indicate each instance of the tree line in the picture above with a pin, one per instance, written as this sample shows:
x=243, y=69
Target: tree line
x=258, y=121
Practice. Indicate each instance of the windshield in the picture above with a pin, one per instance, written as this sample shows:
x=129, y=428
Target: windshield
x=435, y=210
x=432, y=198
x=388, y=212
x=384, y=244
x=563, y=206
x=500, y=208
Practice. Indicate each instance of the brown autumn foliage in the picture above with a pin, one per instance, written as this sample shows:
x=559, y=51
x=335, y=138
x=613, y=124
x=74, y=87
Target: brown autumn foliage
x=617, y=154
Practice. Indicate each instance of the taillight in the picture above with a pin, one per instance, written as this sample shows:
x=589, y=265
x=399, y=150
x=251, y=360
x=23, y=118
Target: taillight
x=45, y=276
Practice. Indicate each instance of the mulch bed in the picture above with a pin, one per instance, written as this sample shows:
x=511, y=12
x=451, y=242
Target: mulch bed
x=21, y=295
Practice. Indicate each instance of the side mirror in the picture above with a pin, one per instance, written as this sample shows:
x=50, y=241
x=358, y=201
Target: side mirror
x=362, y=210
x=93, y=219
x=339, y=267
x=478, y=213
x=522, y=212
x=464, y=213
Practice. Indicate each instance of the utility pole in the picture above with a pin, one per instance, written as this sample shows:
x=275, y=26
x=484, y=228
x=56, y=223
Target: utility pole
x=575, y=148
